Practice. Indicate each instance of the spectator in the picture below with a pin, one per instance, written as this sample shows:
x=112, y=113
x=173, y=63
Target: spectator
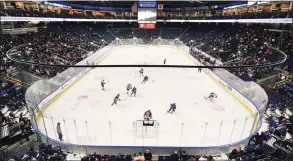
x=140, y=157
x=183, y=156
x=192, y=158
x=119, y=158
x=210, y=158
x=59, y=132
x=175, y=156
x=148, y=155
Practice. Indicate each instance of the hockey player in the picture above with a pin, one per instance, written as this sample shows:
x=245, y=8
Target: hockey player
x=148, y=115
x=116, y=99
x=172, y=108
x=145, y=79
x=165, y=60
x=128, y=87
x=141, y=72
x=211, y=96
x=103, y=85
x=133, y=92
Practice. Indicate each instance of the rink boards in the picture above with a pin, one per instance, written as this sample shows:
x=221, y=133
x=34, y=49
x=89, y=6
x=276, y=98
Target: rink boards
x=49, y=99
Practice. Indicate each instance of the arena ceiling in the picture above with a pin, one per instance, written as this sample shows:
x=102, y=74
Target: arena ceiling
x=167, y=4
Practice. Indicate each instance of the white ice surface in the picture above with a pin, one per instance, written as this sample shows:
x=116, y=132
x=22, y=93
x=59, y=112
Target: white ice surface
x=197, y=123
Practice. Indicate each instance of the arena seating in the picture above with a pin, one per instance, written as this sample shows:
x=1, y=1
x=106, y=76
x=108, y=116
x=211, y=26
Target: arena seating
x=53, y=45
x=247, y=15
x=14, y=116
x=239, y=44
x=63, y=14
x=147, y=34
x=34, y=150
x=264, y=147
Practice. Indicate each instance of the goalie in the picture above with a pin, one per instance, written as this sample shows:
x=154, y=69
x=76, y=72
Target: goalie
x=148, y=115
x=211, y=96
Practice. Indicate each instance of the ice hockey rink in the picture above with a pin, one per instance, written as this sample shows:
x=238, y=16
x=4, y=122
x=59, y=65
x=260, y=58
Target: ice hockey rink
x=87, y=117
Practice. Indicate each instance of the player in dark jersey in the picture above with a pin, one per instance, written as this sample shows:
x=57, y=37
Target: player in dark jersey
x=116, y=99
x=172, y=108
x=133, y=92
x=145, y=79
x=103, y=84
x=211, y=96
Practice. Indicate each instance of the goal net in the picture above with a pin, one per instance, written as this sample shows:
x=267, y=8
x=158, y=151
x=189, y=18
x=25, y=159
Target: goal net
x=146, y=128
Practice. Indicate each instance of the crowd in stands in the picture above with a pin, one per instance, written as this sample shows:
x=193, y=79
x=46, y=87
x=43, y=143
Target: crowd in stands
x=36, y=150
x=245, y=15
x=248, y=45
x=147, y=156
x=89, y=15
x=180, y=155
x=53, y=45
x=14, y=116
x=255, y=150
x=264, y=147
x=62, y=14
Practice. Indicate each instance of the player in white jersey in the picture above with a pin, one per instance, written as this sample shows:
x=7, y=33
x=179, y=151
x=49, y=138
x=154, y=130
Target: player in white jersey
x=133, y=92
x=141, y=72
x=103, y=84
x=128, y=87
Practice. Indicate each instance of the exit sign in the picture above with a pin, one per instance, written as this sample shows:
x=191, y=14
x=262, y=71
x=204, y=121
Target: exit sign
x=147, y=25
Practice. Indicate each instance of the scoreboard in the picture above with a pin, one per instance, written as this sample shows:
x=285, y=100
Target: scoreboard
x=147, y=14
